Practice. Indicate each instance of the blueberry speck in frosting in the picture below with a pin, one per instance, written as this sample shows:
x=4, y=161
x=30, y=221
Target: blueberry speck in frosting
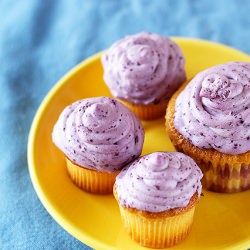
x=136, y=139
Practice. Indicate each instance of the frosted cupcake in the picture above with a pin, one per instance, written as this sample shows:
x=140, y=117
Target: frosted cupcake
x=98, y=137
x=209, y=120
x=143, y=71
x=157, y=194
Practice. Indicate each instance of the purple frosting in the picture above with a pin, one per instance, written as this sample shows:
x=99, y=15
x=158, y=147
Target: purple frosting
x=213, y=111
x=158, y=182
x=99, y=133
x=143, y=68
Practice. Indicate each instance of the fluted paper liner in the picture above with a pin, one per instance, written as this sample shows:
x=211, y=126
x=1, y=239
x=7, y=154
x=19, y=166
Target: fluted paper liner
x=147, y=112
x=91, y=180
x=158, y=230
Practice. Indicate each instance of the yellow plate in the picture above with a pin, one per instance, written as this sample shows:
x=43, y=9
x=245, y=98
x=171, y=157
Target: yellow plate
x=222, y=221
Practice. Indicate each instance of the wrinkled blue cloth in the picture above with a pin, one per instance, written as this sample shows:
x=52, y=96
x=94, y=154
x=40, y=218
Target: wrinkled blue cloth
x=39, y=42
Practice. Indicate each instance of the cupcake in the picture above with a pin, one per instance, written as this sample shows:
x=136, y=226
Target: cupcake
x=209, y=120
x=98, y=137
x=143, y=71
x=157, y=195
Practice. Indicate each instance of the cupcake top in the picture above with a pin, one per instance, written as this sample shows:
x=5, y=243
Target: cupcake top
x=158, y=182
x=99, y=133
x=143, y=68
x=213, y=111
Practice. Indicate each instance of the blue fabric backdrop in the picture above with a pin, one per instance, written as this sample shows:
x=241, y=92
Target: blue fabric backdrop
x=39, y=42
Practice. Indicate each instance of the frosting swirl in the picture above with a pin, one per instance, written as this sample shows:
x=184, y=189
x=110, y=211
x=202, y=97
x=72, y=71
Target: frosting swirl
x=213, y=111
x=158, y=182
x=99, y=133
x=143, y=68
